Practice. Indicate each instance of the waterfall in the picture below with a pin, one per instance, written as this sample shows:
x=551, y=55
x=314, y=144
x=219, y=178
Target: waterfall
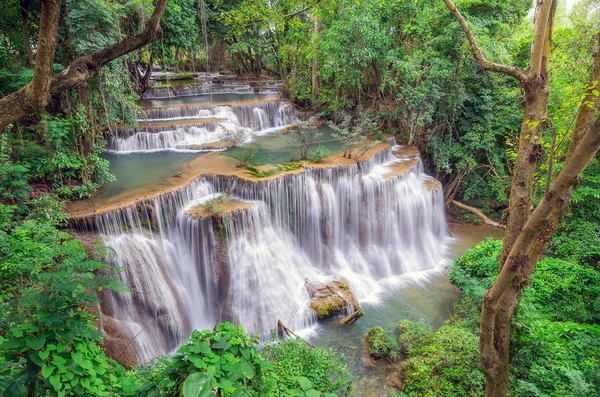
x=364, y=222
x=181, y=127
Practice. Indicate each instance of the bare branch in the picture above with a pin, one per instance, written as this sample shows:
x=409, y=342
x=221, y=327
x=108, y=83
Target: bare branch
x=293, y=14
x=479, y=214
x=479, y=56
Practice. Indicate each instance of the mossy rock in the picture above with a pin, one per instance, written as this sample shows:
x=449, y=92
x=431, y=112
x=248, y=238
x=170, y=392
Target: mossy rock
x=327, y=307
x=380, y=344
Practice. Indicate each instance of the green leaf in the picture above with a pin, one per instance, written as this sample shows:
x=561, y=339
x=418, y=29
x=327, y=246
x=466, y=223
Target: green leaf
x=47, y=370
x=44, y=354
x=77, y=357
x=198, y=384
x=596, y=92
x=305, y=383
x=222, y=344
x=62, y=346
x=36, y=343
x=55, y=382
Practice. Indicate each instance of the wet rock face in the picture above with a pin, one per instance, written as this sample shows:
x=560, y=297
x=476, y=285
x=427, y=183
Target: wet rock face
x=117, y=341
x=332, y=298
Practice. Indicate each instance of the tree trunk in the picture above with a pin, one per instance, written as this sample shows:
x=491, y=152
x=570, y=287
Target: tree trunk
x=526, y=234
x=315, y=80
x=25, y=27
x=35, y=95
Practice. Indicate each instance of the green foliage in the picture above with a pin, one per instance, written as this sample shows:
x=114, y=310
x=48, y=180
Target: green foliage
x=226, y=362
x=293, y=360
x=319, y=153
x=291, y=166
x=578, y=238
x=555, y=358
x=49, y=286
x=212, y=205
x=445, y=364
x=227, y=356
x=412, y=336
x=306, y=133
x=553, y=351
x=564, y=291
x=475, y=271
x=380, y=344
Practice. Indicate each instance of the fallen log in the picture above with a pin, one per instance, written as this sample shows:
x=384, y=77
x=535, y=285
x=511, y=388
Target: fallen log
x=351, y=319
x=479, y=214
x=282, y=327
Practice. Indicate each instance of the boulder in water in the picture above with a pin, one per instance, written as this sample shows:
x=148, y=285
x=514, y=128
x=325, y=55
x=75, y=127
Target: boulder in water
x=332, y=298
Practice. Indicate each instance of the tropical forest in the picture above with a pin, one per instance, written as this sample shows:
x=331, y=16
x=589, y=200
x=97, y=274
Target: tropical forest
x=318, y=198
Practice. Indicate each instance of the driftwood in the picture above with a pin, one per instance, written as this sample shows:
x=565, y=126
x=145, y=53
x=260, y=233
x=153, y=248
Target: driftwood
x=351, y=319
x=282, y=327
x=479, y=214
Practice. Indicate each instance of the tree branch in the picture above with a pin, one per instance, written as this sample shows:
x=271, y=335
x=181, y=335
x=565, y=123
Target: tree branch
x=540, y=35
x=35, y=95
x=479, y=214
x=293, y=14
x=479, y=56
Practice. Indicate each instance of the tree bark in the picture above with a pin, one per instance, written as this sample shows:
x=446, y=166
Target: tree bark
x=534, y=122
x=35, y=95
x=25, y=27
x=527, y=234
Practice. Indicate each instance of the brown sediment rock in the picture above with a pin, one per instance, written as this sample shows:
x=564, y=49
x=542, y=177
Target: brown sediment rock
x=218, y=145
x=171, y=123
x=230, y=206
x=117, y=341
x=401, y=168
x=432, y=185
x=406, y=151
x=331, y=298
x=214, y=163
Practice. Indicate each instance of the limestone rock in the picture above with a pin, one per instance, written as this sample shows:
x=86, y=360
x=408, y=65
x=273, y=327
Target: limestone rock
x=330, y=299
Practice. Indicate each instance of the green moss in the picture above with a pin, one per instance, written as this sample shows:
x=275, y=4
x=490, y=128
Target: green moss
x=380, y=344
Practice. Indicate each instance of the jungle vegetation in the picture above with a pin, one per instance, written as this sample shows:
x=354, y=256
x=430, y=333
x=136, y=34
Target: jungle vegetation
x=501, y=97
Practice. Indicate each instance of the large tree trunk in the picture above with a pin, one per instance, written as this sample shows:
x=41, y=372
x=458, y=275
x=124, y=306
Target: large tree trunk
x=35, y=95
x=534, y=123
x=526, y=234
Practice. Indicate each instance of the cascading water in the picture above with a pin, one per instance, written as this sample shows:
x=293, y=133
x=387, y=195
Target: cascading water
x=179, y=133
x=361, y=222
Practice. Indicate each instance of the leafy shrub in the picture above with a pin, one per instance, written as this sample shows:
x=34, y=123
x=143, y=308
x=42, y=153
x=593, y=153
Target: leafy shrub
x=555, y=358
x=564, y=291
x=212, y=206
x=50, y=342
x=475, y=271
x=380, y=344
x=293, y=360
x=319, y=154
x=227, y=356
x=447, y=364
x=412, y=336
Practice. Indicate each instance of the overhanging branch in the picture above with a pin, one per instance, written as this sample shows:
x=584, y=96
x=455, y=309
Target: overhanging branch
x=479, y=56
